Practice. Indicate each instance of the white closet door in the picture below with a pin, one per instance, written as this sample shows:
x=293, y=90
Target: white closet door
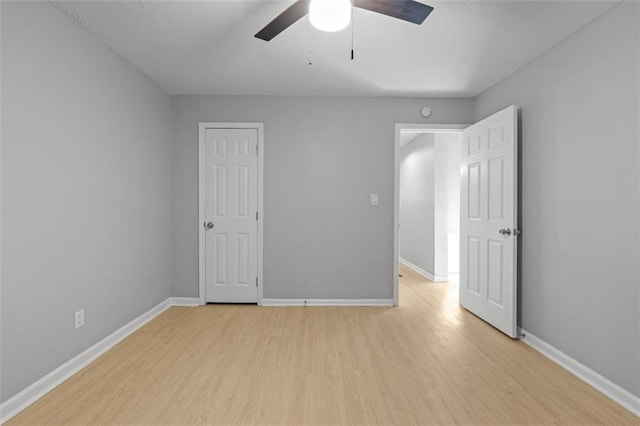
x=231, y=200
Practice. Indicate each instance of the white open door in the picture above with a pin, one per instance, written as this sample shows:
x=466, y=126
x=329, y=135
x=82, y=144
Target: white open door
x=488, y=220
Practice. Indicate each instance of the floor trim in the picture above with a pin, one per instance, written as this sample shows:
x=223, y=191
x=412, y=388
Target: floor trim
x=327, y=302
x=597, y=381
x=44, y=385
x=419, y=270
x=184, y=301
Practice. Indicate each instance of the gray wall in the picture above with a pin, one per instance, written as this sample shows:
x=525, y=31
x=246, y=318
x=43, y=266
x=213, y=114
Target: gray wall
x=86, y=192
x=323, y=157
x=417, y=202
x=580, y=193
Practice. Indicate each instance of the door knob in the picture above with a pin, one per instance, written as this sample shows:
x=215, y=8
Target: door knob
x=505, y=232
x=208, y=225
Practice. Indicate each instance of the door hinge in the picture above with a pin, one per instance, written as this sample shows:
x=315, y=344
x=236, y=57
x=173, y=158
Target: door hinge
x=257, y=149
x=256, y=215
x=256, y=281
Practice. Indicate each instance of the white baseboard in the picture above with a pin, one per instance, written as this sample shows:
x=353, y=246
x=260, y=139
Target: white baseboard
x=37, y=390
x=427, y=275
x=41, y=387
x=327, y=302
x=184, y=301
x=623, y=397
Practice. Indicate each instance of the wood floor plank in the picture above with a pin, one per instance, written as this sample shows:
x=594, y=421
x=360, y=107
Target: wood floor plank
x=427, y=361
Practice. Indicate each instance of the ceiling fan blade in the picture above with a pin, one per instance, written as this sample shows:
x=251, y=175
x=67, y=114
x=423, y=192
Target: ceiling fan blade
x=407, y=10
x=284, y=20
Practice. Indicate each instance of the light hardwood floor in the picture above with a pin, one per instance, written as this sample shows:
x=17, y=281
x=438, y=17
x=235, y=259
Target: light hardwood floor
x=426, y=362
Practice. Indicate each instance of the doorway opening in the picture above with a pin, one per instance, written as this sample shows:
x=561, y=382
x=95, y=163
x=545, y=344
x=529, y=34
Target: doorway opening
x=427, y=201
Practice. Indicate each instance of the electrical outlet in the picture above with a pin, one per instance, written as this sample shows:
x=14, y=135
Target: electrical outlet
x=374, y=199
x=80, y=318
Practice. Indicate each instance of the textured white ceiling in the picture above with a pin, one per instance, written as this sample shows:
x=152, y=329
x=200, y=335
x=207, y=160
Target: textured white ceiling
x=208, y=47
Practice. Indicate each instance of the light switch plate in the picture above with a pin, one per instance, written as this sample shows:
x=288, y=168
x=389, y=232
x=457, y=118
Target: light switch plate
x=374, y=199
x=79, y=318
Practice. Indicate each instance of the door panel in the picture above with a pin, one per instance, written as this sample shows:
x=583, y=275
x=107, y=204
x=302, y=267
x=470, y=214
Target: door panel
x=474, y=191
x=473, y=268
x=220, y=194
x=231, y=199
x=496, y=189
x=488, y=220
x=494, y=279
x=220, y=259
x=243, y=261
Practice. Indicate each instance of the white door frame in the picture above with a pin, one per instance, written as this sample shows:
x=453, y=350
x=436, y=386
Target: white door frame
x=201, y=199
x=409, y=128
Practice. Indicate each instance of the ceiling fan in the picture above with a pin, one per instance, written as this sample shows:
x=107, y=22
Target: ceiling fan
x=334, y=15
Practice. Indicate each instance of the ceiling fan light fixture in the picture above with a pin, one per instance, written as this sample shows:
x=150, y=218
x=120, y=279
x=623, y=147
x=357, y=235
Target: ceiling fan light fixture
x=330, y=15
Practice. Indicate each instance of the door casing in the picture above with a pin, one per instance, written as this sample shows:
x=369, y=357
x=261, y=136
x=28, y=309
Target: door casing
x=201, y=200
